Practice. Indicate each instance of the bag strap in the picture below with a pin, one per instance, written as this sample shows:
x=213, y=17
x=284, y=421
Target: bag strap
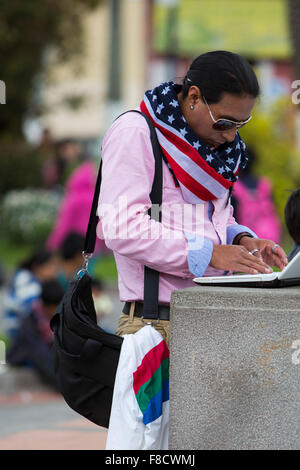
x=151, y=277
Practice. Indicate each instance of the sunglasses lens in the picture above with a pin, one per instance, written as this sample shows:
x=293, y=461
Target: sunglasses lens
x=223, y=125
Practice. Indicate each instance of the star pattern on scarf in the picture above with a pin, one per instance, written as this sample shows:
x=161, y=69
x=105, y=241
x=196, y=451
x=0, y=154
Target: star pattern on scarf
x=159, y=108
x=223, y=160
x=183, y=132
x=196, y=145
x=166, y=90
x=174, y=103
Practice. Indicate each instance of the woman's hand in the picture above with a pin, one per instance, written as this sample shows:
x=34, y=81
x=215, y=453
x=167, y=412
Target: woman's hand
x=238, y=258
x=273, y=257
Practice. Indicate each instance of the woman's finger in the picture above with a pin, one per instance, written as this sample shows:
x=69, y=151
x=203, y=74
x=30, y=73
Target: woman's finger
x=279, y=252
x=250, y=269
x=277, y=261
x=255, y=262
x=257, y=254
x=275, y=256
x=243, y=268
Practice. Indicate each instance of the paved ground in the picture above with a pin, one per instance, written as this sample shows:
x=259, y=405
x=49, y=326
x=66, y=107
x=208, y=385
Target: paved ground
x=32, y=417
x=35, y=418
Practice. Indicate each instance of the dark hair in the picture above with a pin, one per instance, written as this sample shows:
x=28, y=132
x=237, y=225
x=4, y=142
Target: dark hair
x=37, y=258
x=218, y=72
x=97, y=284
x=292, y=215
x=250, y=163
x=72, y=245
x=52, y=292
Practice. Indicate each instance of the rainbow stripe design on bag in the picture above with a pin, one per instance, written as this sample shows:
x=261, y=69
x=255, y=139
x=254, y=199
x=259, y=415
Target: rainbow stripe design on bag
x=151, y=382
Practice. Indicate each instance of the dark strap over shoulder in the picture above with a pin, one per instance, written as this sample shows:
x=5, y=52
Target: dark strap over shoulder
x=151, y=277
x=90, y=236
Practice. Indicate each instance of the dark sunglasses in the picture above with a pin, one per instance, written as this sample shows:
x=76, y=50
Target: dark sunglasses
x=225, y=124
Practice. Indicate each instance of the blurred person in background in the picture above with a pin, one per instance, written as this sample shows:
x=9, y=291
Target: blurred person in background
x=70, y=257
x=103, y=305
x=26, y=288
x=73, y=214
x=50, y=172
x=253, y=204
x=292, y=220
x=59, y=159
x=74, y=211
x=31, y=345
x=69, y=156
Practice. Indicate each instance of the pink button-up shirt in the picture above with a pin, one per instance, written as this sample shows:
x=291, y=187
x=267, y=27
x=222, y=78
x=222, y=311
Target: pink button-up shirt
x=135, y=238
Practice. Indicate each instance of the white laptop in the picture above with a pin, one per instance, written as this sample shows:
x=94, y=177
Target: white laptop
x=290, y=276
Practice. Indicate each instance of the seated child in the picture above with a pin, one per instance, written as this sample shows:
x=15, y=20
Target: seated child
x=31, y=345
x=25, y=288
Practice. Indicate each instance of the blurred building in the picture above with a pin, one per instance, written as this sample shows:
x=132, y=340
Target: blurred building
x=132, y=45
x=82, y=102
x=74, y=98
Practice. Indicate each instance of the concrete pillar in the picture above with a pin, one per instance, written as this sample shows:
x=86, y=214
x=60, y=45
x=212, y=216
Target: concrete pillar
x=235, y=368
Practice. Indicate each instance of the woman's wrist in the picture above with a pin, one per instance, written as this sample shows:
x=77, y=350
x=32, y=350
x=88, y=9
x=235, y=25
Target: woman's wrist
x=239, y=236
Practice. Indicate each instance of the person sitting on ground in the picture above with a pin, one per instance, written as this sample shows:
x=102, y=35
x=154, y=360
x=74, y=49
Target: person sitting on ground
x=103, y=306
x=25, y=288
x=32, y=343
x=292, y=220
x=70, y=255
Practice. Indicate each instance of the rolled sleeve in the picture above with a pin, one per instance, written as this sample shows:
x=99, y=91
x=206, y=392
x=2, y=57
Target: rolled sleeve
x=199, y=253
x=234, y=229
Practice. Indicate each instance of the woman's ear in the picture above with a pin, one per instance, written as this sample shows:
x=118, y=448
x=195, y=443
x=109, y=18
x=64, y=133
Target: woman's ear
x=194, y=95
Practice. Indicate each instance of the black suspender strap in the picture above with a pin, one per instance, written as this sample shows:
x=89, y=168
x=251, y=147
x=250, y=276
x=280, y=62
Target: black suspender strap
x=151, y=277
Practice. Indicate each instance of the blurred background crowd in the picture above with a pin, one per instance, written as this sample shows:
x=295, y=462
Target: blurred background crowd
x=69, y=69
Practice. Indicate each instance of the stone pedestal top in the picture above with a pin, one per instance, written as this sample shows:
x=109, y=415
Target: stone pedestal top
x=235, y=368
x=237, y=297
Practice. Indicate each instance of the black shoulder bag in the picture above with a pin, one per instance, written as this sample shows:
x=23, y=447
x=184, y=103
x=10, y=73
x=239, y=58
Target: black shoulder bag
x=85, y=356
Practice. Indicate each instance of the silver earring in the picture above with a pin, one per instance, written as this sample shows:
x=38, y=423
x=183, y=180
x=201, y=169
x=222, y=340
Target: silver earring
x=192, y=107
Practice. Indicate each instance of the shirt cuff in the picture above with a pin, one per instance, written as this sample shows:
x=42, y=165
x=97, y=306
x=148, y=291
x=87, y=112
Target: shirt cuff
x=199, y=253
x=234, y=229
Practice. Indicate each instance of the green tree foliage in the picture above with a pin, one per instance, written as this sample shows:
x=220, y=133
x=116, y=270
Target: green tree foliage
x=29, y=29
x=20, y=166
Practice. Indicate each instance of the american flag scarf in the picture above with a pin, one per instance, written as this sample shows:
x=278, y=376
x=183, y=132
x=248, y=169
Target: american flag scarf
x=203, y=173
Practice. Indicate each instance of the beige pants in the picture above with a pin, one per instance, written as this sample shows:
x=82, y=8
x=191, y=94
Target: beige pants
x=129, y=324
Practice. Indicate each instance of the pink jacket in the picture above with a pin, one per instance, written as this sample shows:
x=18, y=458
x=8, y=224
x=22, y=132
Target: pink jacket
x=256, y=207
x=137, y=240
x=73, y=214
